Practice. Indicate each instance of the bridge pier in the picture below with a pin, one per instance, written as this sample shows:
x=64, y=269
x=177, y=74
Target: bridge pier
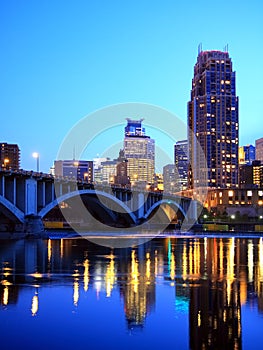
x=33, y=225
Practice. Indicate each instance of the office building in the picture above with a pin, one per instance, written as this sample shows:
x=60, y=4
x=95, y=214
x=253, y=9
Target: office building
x=181, y=165
x=81, y=170
x=259, y=149
x=251, y=175
x=108, y=171
x=169, y=179
x=121, y=178
x=9, y=156
x=213, y=122
x=246, y=154
x=139, y=150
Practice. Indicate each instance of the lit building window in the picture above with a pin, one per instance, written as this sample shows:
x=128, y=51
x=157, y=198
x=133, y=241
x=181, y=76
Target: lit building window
x=249, y=193
x=230, y=193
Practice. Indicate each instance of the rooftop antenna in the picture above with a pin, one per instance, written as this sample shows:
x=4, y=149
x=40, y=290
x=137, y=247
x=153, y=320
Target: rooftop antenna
x=74, y=152
x=226, y=48
x=200, y=48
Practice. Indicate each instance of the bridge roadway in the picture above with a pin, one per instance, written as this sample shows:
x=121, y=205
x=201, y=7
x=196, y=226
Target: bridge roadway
x=26, y=198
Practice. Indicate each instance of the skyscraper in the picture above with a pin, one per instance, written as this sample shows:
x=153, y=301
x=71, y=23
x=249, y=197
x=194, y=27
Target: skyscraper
x=169, y=178
x=181, y=164
x=139, y=150
x=213, y=121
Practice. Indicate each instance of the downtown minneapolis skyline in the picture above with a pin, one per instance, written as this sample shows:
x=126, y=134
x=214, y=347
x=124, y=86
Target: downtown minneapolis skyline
x=62, y=61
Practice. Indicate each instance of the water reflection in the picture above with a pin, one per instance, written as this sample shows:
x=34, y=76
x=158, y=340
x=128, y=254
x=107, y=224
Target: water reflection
x=212, y=278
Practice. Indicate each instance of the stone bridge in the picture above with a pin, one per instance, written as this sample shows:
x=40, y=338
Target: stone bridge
x=28, y=198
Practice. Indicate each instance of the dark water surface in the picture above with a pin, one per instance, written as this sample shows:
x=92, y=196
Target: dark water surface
x=169, y=293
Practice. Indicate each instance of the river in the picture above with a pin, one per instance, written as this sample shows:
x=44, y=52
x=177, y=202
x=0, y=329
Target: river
x=168, y=293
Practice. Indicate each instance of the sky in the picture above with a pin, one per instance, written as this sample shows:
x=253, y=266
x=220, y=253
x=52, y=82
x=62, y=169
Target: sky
x=62, y=60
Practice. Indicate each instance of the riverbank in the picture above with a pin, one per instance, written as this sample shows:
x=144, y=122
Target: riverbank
x=149, y=234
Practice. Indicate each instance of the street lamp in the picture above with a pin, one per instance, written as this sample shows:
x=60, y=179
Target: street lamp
x=36, y=155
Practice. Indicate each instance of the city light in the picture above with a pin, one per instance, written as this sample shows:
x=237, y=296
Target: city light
x=6, y=162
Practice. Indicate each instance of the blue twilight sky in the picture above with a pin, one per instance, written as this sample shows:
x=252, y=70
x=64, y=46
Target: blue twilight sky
x=61, y=60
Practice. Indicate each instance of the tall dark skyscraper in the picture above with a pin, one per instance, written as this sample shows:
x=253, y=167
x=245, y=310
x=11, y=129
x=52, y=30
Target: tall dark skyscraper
x=181, y=164
x=213, y=121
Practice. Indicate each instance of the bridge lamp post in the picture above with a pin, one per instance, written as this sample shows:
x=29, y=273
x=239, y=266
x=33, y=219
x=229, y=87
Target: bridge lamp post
x=36, y=155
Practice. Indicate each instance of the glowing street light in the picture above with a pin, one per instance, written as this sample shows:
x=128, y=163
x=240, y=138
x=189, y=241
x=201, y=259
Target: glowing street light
x=36, y=155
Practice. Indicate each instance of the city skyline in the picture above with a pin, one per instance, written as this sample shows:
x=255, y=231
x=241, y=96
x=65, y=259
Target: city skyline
x=62, y=61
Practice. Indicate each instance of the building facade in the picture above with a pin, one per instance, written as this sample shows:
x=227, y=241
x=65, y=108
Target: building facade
x=81, y=170
x=9, y=156
x=236, y=200
x=121, y=178
x=213, y=122
x=139, y=150
x=251, y=175
x=259, y=149
x=246, y=154
x=181, y=164
x=169, y=179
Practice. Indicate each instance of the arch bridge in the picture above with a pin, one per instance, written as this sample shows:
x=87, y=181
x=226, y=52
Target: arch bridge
x=27, y=198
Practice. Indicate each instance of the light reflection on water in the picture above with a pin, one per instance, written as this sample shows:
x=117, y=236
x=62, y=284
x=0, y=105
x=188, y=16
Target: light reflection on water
x=184, y=293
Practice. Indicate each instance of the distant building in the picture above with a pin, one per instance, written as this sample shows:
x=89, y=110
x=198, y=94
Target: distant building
x=139, y=150
x=76, y=169
x=259, y=149
x=97, y=169
x=9, y=156
x=246, y=154
x=169, y=179
x=121, y=178
x=236, y=200
x=213, y=122
x=108, y=171
x=251, y=175
x=181, y=165
x=158, y=182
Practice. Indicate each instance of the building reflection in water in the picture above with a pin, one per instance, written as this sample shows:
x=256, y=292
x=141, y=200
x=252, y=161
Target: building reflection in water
x=34, y=307
x=214, y=307
x=215, y=277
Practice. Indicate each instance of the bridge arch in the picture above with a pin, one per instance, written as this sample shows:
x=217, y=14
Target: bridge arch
x=11, y=209
x=173, y=204
x=70, y=195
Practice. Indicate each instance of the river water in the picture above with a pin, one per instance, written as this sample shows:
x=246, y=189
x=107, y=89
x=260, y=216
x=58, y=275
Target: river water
x=168, y=293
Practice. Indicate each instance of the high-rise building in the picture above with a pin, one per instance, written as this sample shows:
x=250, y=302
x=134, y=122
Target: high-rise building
x=259, y=149
x=139, y=150
x=74, y=169
x=246, y=154
x=181, y=164
x=121, y=177
x=213, y=121
x=9, y=156
x=169, y=179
